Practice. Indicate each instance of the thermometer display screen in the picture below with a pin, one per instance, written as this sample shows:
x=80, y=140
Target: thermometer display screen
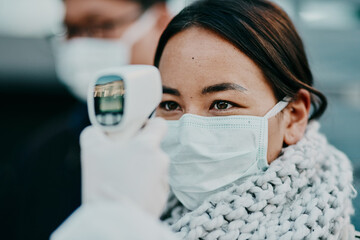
x=109, y=98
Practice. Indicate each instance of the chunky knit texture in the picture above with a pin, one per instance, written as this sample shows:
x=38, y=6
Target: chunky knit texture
x=304, y=194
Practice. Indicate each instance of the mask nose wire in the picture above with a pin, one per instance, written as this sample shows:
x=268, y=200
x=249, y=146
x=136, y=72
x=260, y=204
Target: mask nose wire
x=278, y=108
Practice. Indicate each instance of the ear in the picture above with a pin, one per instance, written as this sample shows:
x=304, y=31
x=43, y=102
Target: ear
x=163, y=14
x=297, y=117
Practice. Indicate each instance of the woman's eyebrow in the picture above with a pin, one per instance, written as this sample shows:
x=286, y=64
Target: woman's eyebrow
x=223, y=87
x=172, y=91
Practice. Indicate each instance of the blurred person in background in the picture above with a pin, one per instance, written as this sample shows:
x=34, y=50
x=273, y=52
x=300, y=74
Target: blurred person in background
x=101, y=34
x=98, y=34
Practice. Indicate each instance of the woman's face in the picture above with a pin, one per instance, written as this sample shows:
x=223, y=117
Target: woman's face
x=204, y=74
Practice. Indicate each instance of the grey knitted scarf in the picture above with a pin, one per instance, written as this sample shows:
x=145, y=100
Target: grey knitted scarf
x=304, y=194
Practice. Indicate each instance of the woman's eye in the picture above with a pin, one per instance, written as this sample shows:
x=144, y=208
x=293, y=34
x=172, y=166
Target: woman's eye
x=169, y=106
x=222, y=105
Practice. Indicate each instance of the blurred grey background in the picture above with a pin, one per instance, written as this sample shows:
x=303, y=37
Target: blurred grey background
x=31, y=95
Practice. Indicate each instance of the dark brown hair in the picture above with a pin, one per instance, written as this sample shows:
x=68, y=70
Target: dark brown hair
x=262, y=31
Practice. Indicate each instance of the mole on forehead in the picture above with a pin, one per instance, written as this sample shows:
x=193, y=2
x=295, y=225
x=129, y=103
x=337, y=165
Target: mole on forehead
x=202, y=45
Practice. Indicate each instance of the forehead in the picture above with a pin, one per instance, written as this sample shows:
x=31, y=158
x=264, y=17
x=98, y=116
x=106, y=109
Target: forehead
x=84, y=11
x=206, y=58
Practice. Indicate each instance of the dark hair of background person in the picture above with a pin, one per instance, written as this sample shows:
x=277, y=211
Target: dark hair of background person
x=145, y=3
x=262, y=31
x=148, y=3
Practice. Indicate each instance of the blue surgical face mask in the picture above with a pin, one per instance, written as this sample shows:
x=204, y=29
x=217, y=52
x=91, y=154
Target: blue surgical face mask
x=209, y=154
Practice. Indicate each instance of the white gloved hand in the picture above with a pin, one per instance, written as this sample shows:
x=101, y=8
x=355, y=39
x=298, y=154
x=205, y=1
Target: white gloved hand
x=135, y=170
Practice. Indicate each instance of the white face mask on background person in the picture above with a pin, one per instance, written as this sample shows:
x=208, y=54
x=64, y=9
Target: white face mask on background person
x=78, y=59
x=209, y=154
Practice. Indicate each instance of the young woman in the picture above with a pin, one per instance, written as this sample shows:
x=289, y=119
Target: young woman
x=240, y=166
x=247, y=160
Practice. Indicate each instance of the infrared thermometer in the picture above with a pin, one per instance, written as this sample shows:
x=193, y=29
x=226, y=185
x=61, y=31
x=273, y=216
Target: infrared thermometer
x=121, y=99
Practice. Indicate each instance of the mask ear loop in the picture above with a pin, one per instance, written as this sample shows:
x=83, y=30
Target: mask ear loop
x=278, y=107
x=140, y=28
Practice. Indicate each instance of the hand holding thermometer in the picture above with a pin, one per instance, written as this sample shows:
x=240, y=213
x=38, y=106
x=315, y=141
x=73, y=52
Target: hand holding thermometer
x=120, y=100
